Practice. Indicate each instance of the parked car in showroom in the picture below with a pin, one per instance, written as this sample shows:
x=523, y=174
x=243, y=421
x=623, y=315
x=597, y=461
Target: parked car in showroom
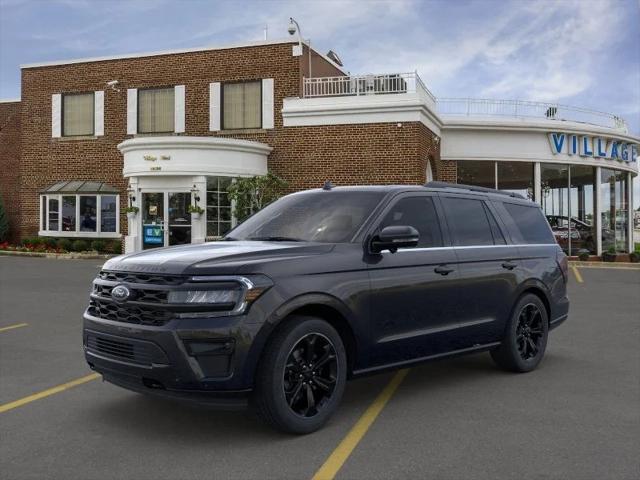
x=326, y=285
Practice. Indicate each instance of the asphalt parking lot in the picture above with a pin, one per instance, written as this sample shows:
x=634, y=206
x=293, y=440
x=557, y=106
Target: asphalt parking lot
x=576, y=417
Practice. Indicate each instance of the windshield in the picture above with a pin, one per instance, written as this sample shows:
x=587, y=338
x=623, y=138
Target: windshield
x=326, y=216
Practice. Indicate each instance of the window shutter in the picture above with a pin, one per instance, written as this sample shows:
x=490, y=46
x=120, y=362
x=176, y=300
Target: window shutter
x=214, y=107
x=132, y=111
x=98, y=112
x=56, y=115
x=267, y=103
x=178, y=111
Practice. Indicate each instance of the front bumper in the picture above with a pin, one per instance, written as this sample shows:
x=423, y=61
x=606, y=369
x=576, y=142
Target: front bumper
x=199, y=359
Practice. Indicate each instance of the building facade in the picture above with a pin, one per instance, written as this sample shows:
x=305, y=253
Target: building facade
x=92, y=138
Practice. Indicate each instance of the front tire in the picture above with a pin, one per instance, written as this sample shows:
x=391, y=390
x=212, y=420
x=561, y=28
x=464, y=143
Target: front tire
x=301, y=376
x=525, y=338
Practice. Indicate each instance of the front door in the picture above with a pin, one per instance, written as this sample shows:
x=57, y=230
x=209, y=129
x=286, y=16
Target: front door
x=165, y=219
x=413, y=291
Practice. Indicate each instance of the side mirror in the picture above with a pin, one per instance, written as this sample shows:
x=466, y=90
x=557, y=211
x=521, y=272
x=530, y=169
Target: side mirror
x=394, y=237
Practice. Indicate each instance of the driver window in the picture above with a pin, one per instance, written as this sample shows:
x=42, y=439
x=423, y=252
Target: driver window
x=419, y=213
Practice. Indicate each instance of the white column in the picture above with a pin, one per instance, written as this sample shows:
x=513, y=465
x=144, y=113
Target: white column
x=537, y=183
x=199, y=226
x=598, y=212
x=630, y=212
x=133, y=239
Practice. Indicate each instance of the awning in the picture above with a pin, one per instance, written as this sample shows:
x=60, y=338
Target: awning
x=80, y=186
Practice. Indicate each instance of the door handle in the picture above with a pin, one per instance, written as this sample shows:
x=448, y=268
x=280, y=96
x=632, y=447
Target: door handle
x=509, y=265
x=443, y=270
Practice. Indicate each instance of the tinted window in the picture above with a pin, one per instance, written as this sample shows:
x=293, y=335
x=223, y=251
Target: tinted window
x=325, y=216
x=498, y=238
x=419, y=213
x=467, y=221
x=530, y=223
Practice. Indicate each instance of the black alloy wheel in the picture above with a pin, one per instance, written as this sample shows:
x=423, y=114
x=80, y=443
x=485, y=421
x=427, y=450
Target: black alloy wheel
x=525, y=336
x=530, y=331
x=310, y=374
x=301, y=375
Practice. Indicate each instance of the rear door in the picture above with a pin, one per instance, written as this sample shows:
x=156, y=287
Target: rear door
x=488, y=268
x=413, y=291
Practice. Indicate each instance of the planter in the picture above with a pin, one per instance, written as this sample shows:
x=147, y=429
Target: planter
x=634, y=257
x=616, y=257
x=131, y=215
x=196, y=215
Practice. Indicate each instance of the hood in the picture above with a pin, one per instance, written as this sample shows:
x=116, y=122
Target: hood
x=213, y=257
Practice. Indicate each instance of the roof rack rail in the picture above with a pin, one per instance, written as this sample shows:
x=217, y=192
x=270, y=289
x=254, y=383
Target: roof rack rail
x=472, y=188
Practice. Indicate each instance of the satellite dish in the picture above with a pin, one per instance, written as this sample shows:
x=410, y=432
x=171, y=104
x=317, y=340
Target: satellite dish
x=333, y=56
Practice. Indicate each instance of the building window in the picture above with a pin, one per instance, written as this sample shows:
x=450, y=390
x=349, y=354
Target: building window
x=77, y=215
x=78, y=114
x=219, y=215
x=156, y=110
x=242, y=105
x=516, y=177
x=480, y=173
x=614, y=210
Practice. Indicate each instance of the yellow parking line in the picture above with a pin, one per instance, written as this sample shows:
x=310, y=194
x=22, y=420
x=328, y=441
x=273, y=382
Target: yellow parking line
x=577, y=274
x=11, y=327
x=340, y=455
x=46, y=393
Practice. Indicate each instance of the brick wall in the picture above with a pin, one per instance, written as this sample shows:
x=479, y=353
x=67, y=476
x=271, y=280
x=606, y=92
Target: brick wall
x=10, y=163
x=304, y=156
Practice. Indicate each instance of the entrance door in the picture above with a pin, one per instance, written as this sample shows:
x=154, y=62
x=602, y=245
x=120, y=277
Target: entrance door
x=165, y=219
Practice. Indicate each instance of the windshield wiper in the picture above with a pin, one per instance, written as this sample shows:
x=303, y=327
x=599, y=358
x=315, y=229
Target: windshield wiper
x=276, y=239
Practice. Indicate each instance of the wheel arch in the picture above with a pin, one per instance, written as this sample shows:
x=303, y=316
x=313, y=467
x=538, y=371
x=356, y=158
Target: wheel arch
x=539, y=289
x=319, y=305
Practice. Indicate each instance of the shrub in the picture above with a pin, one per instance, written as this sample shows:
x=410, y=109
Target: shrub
x=116, y=247
x=251, y=194
x=583, y=255
x=4, y=223
x=634, y=257
x=80, y=246
x=33, y=241
x=98, y=245
x=65, y=244
x=48, y=242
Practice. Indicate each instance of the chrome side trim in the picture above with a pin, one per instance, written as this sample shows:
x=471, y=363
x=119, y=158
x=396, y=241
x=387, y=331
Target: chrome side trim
x=468, y=247
x=430, y=331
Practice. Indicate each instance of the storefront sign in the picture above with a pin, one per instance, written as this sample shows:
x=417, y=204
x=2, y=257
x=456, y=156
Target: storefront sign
x=153, y=235
x=588, y=146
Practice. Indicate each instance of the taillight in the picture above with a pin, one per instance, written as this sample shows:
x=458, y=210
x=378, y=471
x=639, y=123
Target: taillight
x=563, y=263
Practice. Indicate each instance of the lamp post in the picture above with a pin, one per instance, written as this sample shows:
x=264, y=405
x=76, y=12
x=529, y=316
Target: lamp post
x=294, y=28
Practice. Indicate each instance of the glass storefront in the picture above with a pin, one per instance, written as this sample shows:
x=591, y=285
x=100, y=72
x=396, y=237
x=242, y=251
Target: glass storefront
x=568, y=197
x=516, y=177
x=614, y=210
x=219, y=215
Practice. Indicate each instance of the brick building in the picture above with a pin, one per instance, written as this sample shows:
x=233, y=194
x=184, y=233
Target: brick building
x=160, y=131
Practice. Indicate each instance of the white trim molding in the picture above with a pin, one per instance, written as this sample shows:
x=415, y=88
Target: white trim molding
x=214, y=107
x=56, y=115
x=132, y=111
x=98, y=113
x=396, y=108
x=185, y=155
x=179, y=109
x=267, y=103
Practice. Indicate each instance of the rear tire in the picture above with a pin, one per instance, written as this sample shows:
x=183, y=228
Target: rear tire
x=301, y=376
x=525, y=338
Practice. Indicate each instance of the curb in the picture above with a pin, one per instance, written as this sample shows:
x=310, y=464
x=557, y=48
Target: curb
x=59, y=256
x=623, y=265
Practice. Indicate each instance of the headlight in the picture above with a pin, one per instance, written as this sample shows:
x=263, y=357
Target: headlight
x=229, y=294
x=205, y=296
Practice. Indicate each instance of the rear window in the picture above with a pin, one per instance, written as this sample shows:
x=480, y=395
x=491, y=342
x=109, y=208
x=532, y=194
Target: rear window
x=468, y=221
x=530, y=223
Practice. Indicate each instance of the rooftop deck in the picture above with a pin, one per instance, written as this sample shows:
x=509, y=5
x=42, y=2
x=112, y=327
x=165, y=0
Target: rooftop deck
x=403, y=83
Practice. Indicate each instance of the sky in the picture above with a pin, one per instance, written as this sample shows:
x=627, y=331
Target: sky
x=576, y=52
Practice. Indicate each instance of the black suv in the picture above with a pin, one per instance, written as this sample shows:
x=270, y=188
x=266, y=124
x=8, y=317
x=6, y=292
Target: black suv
x=325, y=285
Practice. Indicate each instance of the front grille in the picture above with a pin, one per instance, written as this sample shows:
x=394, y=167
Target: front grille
x=127, y=277
x=128, y=313
x=141, y=295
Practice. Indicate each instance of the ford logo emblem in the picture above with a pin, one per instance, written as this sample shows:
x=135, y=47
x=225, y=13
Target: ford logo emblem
x=120, y=293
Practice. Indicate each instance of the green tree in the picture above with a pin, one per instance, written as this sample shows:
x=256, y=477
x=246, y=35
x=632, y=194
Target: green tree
x=4, y=222
x=250, y=194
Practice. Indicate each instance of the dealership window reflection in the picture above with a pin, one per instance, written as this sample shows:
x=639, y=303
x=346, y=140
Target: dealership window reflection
x=614, y=210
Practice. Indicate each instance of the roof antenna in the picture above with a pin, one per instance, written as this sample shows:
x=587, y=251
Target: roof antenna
x=327, y=185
